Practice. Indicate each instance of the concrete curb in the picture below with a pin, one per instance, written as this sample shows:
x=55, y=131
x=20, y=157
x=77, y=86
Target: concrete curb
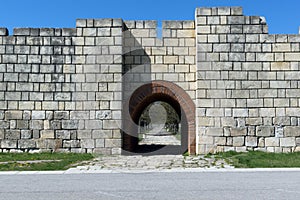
x=120, y=171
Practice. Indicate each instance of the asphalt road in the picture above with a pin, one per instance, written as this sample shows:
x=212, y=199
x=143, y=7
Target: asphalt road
x=112, y=186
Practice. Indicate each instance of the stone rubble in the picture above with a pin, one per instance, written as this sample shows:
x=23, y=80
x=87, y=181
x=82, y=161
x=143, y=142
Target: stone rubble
x=159, y=162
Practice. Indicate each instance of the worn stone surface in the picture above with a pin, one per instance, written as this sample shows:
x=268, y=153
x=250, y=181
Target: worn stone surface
x=265, y=131
x=291, y=131
x=153, y=163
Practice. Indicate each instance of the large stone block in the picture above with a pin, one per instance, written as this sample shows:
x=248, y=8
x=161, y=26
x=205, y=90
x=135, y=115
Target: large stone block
x=240, y=112
x=26, y=144
x=224, y=11
x=9, y=144
x=292, y=56
x=103, y=114
x=251, y=141
x=240, y=94
x=84, y=134
x=70, y=124
x=113, y=142
x=99, y=143
x=61, y=115
x=103, y=22
x=267, y=112
x=212, y=131
x=291, y=131
x=238, y=141
x=281, y=103
x=69, y=32
x=186, y=33
x=22, y=124
x=220, y=141
x=13, y=115
x=272, y=142
x=4, y=124
x=215, y=112
x=280, y=66
x=93, y=124
x=3, y=31
x=48, y=143
x=237, y=56
x=236, y=11
x=26, y=105
x=254, y=48
x=265, y=131
x=254, y=121
x=206, y=121
x=12, y=134
x=55, y=124
x=293, y=112
x=204, y=11
x=50, y=105
x=88, y=143
x=216, y=94
x=71, y=143
x=100, y=134
x=228, y=121
x=238, y=132
x=26, y=134
x=37, y=125
x=292, y=92
x=111, y=124
x=287, y=142
x=38, y=115
x=236, y=20
x=79, y=115
x=9, y=59
x=63, y=134
x=47, y=134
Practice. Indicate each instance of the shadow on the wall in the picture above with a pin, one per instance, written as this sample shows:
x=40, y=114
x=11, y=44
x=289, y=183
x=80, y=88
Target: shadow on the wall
x=138, y=94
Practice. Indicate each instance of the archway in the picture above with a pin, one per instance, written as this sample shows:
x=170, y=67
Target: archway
x=144, y=96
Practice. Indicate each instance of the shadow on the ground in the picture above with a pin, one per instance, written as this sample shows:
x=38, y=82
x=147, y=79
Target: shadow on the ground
x=149, y=150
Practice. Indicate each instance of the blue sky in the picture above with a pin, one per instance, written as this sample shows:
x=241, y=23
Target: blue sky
x=282, y=16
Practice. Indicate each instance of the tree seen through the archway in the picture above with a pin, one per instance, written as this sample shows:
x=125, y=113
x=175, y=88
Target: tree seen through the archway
x=159, y=119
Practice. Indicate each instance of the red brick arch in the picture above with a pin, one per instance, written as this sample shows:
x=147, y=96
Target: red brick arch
x=159, y=91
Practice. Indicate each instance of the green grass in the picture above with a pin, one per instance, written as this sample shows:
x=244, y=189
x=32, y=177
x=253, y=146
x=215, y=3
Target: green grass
x=258, y=159
x=55, y=161
x=186, y=153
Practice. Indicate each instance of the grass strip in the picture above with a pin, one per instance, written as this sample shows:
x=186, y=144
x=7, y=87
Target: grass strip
x=259, y=159
x=41, y=161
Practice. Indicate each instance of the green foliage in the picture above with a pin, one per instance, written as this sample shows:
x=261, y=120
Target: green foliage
x=55, y=161
x=258, y=159
x=186, y=153
x=172, y=116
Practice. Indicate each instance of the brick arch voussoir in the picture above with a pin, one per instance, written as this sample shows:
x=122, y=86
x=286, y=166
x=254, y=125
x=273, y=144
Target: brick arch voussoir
x=177, y=94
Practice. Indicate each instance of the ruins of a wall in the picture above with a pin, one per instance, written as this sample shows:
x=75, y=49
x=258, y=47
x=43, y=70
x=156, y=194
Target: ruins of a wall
x=67, y=89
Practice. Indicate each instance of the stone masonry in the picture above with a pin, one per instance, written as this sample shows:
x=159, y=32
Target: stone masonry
x=66, y=89
x=248, y=85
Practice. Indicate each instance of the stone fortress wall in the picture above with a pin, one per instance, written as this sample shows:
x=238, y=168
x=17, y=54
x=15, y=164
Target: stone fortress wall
x=64, y=89
x=61, y=89
x=248, y=84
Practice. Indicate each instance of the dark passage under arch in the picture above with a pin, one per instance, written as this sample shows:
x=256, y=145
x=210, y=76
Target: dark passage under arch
x=144, y=96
